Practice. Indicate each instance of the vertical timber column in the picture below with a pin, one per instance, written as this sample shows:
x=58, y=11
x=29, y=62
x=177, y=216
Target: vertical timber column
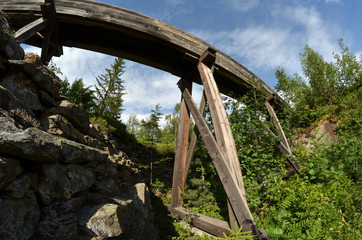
x=178, y=182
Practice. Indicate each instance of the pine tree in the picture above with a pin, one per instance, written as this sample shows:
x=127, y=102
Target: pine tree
x=110, y=90
x=78, y=93
x=152, y=127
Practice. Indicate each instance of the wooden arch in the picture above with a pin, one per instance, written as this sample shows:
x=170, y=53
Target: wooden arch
x=86, y=24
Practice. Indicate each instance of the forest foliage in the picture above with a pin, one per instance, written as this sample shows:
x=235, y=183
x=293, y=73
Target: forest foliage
x=323, y=201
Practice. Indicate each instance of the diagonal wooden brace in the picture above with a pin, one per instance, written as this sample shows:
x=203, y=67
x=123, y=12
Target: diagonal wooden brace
x=283, y=145
x=221, y=124
x=30, y=30
x=235, y=196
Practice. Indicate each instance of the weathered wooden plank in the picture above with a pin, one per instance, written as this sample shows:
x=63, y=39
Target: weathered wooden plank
x=292, y=161
x=179, y=169
x=277, y=123
x=220, y=121
x=222, y=130
x=30, y=30
x=194, y=137
x=113, y=30
x=213, y=226
x=231, y=187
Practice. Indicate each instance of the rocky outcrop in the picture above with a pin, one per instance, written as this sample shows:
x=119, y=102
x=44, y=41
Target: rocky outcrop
x=60, y=176
x=324, y=132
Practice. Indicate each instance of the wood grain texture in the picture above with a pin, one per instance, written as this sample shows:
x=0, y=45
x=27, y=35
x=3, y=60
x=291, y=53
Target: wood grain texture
x=30, y=30
x=239, y=206
x=277, y=125
x=213, y=226
x=194, y=137
x=179, y=169
x=223, y=132
x=120, y=32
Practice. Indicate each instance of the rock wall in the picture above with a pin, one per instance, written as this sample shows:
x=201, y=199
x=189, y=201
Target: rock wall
x=60, y=177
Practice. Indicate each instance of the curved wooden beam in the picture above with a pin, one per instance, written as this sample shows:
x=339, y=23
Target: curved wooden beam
x=120, y=32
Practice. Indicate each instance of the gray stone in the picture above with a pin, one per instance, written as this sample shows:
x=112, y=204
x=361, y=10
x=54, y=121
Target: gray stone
x=111, y=220
x=31, y=144
x=8, y=46
x=109, y=186
x=19, y=187
x=70, y=205
x=57, y=228
x=58, y=125
x=60, y=182
x=22, y=90
x=75, y=114
x=36, y=145
x=73, y=152
x=41, y=76
x=18, y=217
x=46, y=99
x=9, y=170
x=16, y=109
x=129, y=217
x=8, y=125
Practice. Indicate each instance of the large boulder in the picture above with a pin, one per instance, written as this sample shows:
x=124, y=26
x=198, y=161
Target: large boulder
x=59, y=125
x=110, y=220
x=128, y=216
x=75, y=114
x=18, y=216
x=36, y=145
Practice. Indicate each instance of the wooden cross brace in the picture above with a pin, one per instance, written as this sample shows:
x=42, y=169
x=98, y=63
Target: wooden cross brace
x=222, y=148
x=47, y=24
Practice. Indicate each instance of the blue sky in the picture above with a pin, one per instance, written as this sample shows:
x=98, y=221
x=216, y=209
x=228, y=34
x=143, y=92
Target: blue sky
x=260, y=34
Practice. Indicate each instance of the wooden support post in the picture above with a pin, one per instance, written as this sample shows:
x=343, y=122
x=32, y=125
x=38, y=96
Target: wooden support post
x=233, y=191
x=179, y=169
x=50, y=49
x=221, y=126
x=194, y=137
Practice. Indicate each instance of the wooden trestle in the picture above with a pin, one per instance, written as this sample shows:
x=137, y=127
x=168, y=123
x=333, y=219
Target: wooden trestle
x=112, y=30
x=222, y=148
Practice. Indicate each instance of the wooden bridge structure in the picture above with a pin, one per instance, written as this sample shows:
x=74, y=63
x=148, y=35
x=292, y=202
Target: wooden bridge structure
x=95, y=26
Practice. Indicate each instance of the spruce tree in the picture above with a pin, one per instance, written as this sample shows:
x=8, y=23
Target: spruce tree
x=110, y=90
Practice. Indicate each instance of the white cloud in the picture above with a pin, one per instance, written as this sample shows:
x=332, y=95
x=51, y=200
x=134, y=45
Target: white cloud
x=268, y=45
x=77, y=63
x=257, y=47
x=318, y=34
x=174, y=2
x=332, y=1
x=241, y=5
x=145, y=86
